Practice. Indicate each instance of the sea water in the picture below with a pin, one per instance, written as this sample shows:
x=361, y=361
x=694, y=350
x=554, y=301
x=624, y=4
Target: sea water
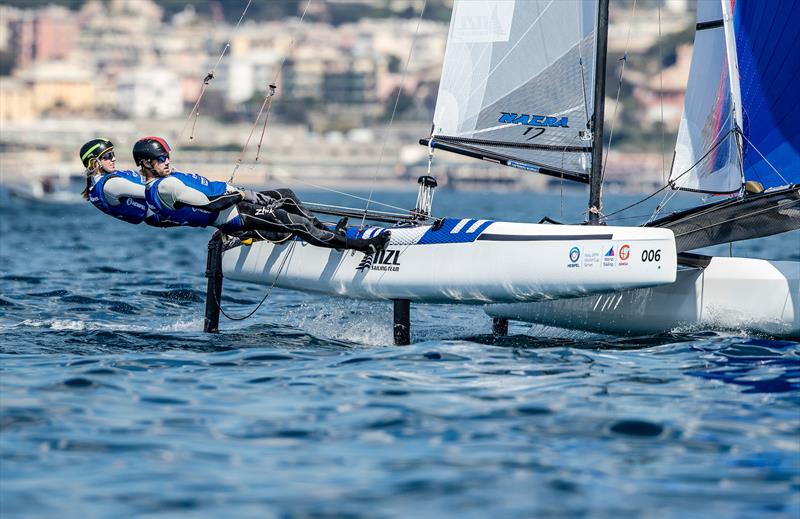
x=114, y=403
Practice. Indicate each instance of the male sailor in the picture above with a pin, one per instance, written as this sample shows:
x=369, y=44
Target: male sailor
x=116, y=193
x=193, y=200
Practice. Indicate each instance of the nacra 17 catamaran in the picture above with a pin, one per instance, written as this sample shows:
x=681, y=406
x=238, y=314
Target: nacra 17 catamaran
x=522, y=86
x=738, y=136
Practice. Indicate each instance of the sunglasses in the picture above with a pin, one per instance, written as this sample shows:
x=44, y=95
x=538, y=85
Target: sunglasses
x=162, y=158
x=107, y=156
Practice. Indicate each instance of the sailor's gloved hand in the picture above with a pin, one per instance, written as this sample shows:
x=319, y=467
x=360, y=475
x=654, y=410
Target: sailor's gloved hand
x=248, y=195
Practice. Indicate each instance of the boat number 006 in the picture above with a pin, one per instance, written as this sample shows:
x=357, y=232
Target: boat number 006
x=651, y=255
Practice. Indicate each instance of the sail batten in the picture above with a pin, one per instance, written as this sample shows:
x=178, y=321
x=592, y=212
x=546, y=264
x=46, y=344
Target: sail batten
x=514, y=81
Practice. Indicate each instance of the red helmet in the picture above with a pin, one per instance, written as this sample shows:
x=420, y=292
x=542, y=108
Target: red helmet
x=150, y=148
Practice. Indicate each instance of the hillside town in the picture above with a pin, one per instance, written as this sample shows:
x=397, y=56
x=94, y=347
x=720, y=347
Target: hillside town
x=125, y=68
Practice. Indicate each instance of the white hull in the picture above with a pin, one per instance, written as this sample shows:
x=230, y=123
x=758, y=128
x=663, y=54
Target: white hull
x=731, y=293
x=469, y=261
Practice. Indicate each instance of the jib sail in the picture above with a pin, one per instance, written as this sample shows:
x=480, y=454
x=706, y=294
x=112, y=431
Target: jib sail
x=740, y=115
x=517, y=84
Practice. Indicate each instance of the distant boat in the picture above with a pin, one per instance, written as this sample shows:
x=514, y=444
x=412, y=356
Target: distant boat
x=51, y=189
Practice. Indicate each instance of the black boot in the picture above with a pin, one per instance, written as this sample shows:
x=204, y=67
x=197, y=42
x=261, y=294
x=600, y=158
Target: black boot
x=379, y=242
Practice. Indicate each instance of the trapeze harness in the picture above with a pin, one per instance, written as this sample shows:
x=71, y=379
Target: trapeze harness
x=121, y=194
x=192, y=200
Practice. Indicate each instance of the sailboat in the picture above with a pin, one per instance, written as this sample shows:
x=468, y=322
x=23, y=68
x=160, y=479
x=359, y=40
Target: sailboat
x=523, y=85
x=737, y=137
x=497, y=102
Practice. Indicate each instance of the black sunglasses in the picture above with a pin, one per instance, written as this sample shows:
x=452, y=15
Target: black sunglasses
x=107, y=156
x=162, y=158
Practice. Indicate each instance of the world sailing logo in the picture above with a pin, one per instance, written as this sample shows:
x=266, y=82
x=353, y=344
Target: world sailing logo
x=539, y=121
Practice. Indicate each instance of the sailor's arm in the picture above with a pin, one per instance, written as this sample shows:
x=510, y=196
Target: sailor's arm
x=116, y=188
x=215, y=196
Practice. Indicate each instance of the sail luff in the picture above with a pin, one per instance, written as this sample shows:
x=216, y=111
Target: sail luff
x=733, y=63
x=733, y=79
x=601, y=51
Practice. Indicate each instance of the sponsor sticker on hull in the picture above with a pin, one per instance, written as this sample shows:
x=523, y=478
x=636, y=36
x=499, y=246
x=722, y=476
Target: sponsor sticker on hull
x=624, y=254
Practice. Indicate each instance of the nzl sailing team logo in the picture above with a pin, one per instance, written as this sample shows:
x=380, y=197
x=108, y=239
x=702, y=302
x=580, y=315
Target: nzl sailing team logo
x=386, y=260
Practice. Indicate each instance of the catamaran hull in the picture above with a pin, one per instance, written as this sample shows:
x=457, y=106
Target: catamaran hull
x=730, y=293
x=468, y=261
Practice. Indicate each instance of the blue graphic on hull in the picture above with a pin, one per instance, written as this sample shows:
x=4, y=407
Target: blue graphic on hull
x=452, y=230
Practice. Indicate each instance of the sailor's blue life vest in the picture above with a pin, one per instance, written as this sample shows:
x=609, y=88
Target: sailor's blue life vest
x=188, y=215
x=130, y=209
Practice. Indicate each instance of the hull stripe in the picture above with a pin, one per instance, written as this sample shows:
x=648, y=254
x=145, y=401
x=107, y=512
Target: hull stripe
x=550, y=237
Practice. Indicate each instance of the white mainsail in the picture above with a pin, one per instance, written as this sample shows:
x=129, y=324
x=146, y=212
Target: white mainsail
x=517, y=81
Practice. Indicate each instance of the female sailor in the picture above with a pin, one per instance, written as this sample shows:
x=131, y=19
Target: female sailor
x=116, y=193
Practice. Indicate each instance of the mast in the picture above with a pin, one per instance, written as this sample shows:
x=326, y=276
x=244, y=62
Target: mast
x=601, y=50
x=733, y=76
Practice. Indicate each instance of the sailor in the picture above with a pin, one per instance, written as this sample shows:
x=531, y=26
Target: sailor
x=116, y=193
x=193, y=200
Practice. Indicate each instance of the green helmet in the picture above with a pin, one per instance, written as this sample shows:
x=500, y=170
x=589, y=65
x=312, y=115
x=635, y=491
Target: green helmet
x=94, y=149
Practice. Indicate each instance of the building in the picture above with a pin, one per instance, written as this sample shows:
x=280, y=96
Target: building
x=146, y=93
x=16, y=101
x=43, y=35
x=58, y=87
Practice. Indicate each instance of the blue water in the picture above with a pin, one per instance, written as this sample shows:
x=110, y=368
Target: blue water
x=114, y=403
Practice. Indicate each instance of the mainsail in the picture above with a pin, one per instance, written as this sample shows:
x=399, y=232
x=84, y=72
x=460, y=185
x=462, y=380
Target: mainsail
x=517, y=84
x=741, y=117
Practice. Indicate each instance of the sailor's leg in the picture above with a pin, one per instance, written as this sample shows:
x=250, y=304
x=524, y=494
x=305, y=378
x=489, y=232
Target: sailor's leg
x=258, y=217
x=291, y=203
x=324, y=237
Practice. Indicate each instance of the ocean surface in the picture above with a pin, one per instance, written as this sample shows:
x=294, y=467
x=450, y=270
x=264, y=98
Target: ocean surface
x=114, y=403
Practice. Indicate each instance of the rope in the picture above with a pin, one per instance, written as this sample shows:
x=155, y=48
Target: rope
x=267, y=101
x=624, y=60
x=763, y=157
x=672, y=182
x=343, y=193
x=277, y=276
x=195, y=113
x=394, y=111
x=661, y=96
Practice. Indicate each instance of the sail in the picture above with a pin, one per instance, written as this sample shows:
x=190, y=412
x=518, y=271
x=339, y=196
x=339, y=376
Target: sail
x=517, y=84
x=755, y=110
x=768, y=53
x=706, y=152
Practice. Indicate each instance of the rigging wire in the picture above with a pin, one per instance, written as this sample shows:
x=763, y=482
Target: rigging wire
x=195, y=113
x=661, y=96
x=394, y=111
x=763, y=157
x=673, y=182
x=624, y=60
x=269, y=291
x=268, y=101
x=343, y=193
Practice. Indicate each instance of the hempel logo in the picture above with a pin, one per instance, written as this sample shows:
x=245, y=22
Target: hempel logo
x=574, y=256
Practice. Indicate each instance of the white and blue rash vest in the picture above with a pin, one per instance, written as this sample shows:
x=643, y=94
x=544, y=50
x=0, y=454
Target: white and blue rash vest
x=193, y=200
x=121, y=194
